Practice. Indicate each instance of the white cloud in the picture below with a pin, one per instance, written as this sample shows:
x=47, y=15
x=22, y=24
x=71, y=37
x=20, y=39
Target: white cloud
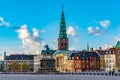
x=31, y=43
x=95, y=31
x=35, y=32
x=3, y=22
x=104, y=23
x=71, y=31
x=90, y=30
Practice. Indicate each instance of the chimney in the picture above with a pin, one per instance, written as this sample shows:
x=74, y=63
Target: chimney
x=91, y=49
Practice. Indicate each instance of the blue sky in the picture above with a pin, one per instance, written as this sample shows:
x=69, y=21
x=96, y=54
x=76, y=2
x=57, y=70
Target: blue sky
x=88, y=21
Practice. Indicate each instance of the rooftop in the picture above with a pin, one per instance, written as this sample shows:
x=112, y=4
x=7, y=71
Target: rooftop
x=20, y=57
x=60, y=52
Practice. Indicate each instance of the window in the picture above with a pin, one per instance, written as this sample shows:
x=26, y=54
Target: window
x=110, y=66
x=87, y=66
x=106, y=60
x=98, y=61
x=83, y=66
x=65, y=44
x=110, y=61
x=109, y=56
x=61, y=44
x=113, y=51
x=69, y=57
x=72, y=57
x=87, y=61
x=113, y=61
x=82, y=61
x=77, y=57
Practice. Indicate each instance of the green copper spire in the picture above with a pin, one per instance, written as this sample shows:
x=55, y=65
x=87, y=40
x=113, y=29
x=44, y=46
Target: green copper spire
x=62, y=32
x=5, y=55
x=87, y=46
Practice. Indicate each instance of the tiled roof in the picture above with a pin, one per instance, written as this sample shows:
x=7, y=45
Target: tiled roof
x=101, y=52
x=85, y=55
x=20, y=57
x=117, y=45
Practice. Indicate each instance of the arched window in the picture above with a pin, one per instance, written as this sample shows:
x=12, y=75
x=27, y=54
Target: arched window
x=65, y=44
x=61, y=44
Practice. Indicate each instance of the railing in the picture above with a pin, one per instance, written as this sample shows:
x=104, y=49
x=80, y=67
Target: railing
x=92, y=73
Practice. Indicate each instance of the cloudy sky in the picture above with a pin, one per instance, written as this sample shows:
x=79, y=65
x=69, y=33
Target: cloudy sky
x=26, y=25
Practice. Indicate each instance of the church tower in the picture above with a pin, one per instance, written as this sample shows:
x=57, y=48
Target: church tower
x=62, y=40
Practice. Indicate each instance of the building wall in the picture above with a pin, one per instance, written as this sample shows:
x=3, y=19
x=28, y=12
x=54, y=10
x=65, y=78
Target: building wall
x=70, y=66
x=102, y=62
x=62, y=44
x=37, y=62
x=28, y=62
x=94, y=64
x=110, y=62
x=61, y=62
x=117, y=55
x=78, y=64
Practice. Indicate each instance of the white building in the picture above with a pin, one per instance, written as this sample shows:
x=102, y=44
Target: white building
x=110, y=61
x=18, y=59
x=37, y=59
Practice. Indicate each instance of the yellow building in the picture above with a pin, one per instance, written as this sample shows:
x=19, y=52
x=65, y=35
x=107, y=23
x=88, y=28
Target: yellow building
x=102, y=62
x=102, y=58
x=63, y=64
x=71, y=65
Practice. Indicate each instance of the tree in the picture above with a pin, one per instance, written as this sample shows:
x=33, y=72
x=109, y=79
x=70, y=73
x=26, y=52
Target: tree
x=25, y=67
x=14, y=67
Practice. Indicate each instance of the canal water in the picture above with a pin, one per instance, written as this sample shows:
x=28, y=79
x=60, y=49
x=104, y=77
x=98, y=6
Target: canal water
x=56, y=77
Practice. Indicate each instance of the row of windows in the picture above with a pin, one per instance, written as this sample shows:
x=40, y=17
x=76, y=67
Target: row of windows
x=19, y=61
x=108, y=56
x=110, y=61
x=83, y=61
x=110, y=66
x=78, y=66
x=117, y=51
x=63, y=44
x=77, y=62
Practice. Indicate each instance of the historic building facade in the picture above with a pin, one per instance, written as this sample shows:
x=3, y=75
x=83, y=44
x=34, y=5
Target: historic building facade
x=19, y=63
x=117, y=55
x=61, y=58
x=37, y=59
x=102, y=58
x=86, y=61
x=110, y=61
